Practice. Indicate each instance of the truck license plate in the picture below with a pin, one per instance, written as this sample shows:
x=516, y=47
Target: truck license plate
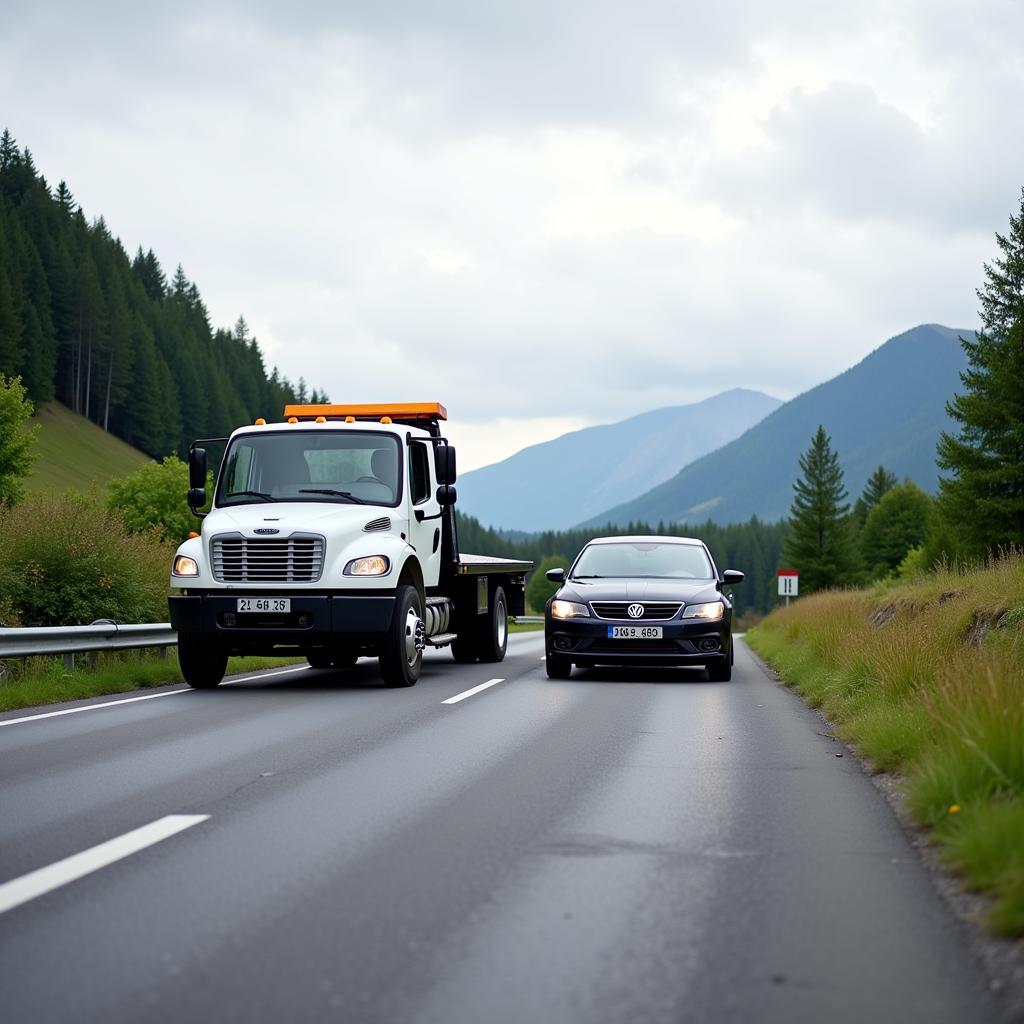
x=634, y=632
x=280, y=605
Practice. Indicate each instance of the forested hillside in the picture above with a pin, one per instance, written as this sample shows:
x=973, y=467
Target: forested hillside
x=753, y=547
x=107, y=334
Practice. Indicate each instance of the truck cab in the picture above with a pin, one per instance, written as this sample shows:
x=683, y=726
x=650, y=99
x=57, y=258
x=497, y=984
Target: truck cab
x=333, y=534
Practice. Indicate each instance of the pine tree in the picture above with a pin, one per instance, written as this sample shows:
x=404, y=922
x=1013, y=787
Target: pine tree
x=983, y=499
x=8, y=150
x=65, y=200
x=878, y=484
x=820, y=543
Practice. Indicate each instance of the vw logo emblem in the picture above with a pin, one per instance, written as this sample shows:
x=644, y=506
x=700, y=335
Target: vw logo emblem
x=635, y=611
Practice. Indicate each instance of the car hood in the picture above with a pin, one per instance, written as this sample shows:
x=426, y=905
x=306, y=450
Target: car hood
x=683, y=591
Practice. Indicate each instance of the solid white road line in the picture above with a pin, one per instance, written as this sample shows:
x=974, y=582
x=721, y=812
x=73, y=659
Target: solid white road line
x=469, y=693
x=147, y=696
x=38, y=883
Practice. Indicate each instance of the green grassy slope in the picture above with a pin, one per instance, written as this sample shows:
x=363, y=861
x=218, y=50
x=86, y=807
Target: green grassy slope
x=73, y=452
x=925, y=678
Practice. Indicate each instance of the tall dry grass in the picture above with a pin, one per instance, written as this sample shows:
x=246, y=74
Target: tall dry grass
x=927, y=678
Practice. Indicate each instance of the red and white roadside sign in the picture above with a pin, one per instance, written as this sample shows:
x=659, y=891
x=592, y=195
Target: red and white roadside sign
x=789, y=583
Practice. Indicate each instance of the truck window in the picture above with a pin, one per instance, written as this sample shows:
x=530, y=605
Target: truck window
x=419, y=473
x=292, y=465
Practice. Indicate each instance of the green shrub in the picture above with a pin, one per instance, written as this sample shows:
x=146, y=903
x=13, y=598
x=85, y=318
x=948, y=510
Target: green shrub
x=540, y=589
x=155, y=495
x=68, y=560
x=17, y=439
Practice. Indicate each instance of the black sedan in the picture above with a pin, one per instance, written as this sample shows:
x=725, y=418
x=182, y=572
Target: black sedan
x=641, y=601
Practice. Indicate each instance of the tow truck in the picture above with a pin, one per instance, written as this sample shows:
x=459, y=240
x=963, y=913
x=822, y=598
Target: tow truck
x=333, y=535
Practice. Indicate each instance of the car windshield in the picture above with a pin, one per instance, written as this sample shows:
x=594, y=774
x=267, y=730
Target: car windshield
x=651, y=559
x=340, y=466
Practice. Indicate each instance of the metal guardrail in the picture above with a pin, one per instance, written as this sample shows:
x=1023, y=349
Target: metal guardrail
x=528, y=620
x=19, y=642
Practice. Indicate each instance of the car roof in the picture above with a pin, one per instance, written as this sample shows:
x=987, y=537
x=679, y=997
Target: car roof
x=650, y=539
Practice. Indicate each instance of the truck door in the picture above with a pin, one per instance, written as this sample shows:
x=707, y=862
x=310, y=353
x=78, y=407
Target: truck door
x=424, y=518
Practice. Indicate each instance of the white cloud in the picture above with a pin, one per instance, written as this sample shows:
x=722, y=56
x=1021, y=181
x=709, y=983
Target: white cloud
x=542, y=215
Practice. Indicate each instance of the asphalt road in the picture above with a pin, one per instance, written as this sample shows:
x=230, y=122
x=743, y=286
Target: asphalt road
x=618, y=847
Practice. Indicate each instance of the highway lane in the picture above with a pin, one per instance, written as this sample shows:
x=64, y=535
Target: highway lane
x=616, y=847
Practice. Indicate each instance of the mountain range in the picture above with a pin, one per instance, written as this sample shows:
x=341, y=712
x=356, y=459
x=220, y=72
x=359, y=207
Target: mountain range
x=573, y=477
x=887, y=410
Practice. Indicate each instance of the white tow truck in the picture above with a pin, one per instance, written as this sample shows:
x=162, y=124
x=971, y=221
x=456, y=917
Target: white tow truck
x=333, y=535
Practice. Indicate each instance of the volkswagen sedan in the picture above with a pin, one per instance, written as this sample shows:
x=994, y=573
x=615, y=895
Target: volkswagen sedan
x=641, y=601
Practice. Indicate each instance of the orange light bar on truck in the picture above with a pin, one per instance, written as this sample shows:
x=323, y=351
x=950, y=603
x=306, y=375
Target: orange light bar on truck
x=401, y=411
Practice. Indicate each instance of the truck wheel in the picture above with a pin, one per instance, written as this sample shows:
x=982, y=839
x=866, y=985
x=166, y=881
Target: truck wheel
x=401, y=649
x=493, y=638
x=464, y=651
x=558, y=666
x=203, y=662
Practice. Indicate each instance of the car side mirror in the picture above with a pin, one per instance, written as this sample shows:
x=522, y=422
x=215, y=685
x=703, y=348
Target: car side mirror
x=446, y=495
x=444, y=464
x=197, y=468
x=731, y=577
x=556, y=575
x=196, y=498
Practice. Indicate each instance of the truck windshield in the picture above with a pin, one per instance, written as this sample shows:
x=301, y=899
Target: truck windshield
x=644, y=559
x=339, y=466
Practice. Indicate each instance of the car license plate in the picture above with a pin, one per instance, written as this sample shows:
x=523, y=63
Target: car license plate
x=281, y=605
x=634, y=632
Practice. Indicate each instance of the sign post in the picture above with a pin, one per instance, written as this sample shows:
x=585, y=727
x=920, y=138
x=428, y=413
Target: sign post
x=789, y=584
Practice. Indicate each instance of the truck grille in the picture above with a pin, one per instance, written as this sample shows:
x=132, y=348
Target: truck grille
x=620, y=609
x=297, y=559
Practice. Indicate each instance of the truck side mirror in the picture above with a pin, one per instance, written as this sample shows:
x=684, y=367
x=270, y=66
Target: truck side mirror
x=556, y=575
x=197, y=467
x=731, y=577
x=444, y=464
x=446, y=495
x=196, y=497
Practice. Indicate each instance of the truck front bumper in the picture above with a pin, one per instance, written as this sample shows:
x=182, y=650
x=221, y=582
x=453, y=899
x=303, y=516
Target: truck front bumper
x=314, y=619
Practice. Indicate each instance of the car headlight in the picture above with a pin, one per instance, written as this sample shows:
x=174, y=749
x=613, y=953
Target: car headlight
x=185, y=566
x=372, y=565
x=708, y=612
x=569, y=610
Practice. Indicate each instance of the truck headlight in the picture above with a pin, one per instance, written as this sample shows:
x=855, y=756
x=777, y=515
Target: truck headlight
x=373, y=565
x=708, y=612
x=569, y=610
x=184, y=566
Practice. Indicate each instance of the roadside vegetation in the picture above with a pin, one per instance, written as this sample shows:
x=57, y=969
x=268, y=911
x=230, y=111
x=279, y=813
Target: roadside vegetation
x=37, y=681
x=926, y=678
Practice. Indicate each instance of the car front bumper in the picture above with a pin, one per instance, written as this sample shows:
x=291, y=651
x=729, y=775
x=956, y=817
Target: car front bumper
x=587, y=642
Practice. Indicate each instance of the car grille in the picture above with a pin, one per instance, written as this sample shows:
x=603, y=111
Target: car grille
x=620, y=609
x=279, y=560
x=633, y=647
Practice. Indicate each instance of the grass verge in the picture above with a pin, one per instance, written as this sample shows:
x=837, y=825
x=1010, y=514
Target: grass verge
x=47, y=681
x=926, y=678
x=525, y=627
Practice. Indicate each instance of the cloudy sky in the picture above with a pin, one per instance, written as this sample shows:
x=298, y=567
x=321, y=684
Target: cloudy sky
x=543, y=214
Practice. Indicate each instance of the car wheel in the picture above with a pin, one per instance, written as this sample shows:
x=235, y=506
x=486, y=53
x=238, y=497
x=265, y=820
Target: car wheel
x=558, y=666
x=720, y=671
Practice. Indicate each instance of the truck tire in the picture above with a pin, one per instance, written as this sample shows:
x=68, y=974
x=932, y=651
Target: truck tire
x=401, y=648
x=492, y=640
x=558, y=666
x=464, y=650
x=203, y=661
